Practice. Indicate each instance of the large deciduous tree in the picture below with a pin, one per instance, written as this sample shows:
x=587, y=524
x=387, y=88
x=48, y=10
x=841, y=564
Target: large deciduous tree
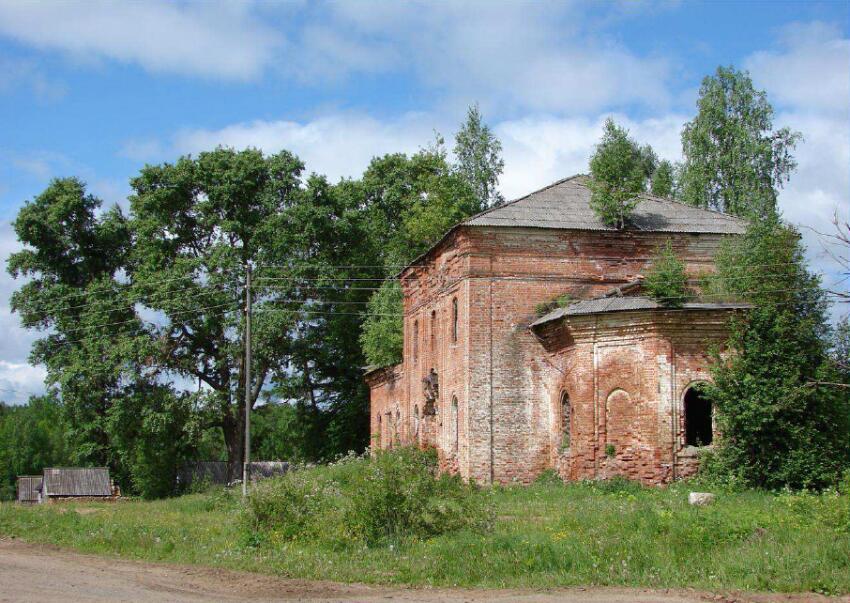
x=72, y=258
x=734, y=160
x=198, y=225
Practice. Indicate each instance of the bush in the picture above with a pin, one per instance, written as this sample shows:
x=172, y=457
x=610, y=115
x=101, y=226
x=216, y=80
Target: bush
x=666, y=281
x=392, y=496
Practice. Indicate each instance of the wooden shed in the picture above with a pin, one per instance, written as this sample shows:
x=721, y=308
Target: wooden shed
x=29, y=489
x=76, y=483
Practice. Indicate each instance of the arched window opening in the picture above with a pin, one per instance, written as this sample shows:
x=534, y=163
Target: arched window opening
x=454, y=320
x=415, y=340
x=566, y=421
x=416, y=422
x=455, y=425
x=698, y=428
x=397, y=439
x=379, y=434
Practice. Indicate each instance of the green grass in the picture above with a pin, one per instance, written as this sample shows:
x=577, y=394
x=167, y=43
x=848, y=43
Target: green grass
x=544, y=535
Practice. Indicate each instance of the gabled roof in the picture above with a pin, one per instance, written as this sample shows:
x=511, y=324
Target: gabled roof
x=565, y=204
x=626, y=304
x=77, y=481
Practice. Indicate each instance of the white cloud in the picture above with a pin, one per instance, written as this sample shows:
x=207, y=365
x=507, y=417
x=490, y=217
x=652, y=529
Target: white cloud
x=220, y=40
x=809, y=79
x=19, y=381
x=533, y=56
x=810, y=71
x=338, y=145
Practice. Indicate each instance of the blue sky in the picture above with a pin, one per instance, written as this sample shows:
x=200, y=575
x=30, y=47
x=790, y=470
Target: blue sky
x=98, y=89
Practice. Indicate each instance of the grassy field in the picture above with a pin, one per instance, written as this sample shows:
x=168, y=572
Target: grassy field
x=544, y=535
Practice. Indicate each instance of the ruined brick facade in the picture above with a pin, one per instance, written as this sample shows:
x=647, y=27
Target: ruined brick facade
x=591, y=395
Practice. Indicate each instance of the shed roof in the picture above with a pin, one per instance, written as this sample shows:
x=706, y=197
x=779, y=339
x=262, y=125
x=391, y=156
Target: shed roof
x=626, y=304
x=28, y=487
x=565, y=204
x=77, y=481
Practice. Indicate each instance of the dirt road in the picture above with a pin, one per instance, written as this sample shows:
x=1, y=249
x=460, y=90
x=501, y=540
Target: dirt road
x=47, y=575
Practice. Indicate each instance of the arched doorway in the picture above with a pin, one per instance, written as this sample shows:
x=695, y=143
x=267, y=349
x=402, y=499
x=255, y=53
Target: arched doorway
x=698, y=424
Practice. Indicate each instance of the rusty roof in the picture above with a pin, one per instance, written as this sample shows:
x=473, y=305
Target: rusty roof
x=77, y=481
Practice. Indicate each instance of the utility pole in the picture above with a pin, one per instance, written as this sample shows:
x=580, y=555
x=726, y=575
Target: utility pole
x=246, y=471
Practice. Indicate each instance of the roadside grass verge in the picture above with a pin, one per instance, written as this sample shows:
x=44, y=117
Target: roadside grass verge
x=544, y=535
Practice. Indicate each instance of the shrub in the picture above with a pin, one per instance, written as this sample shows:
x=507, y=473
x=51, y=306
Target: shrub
x=666, y=281
x=562, y=301
x=392, y=496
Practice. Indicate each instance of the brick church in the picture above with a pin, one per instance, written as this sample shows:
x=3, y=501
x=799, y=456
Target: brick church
x=601, y=386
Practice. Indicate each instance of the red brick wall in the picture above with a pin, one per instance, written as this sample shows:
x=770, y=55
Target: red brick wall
x=507, y=387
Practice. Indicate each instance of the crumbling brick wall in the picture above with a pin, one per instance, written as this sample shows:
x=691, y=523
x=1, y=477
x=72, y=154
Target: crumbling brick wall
x=506, y=425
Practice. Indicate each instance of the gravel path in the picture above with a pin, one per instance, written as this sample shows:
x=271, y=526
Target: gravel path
x=46, y=575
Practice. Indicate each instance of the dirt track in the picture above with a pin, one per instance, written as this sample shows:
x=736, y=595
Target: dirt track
x=46, y=574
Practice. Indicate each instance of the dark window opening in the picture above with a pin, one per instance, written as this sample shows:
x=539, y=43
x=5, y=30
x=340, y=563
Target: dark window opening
x=415, y=340
x=698, y=429
x=433, y=330
x=454, y=320
x=566, y=416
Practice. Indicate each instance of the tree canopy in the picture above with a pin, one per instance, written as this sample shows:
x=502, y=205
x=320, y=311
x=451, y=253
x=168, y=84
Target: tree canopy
x=735, y=161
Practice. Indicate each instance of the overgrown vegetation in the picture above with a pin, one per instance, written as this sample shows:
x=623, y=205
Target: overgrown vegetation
x=395, y=495
x=544, y=535
x=560, y=301
x=666, y=280
x=618, y=176
x=780, y=427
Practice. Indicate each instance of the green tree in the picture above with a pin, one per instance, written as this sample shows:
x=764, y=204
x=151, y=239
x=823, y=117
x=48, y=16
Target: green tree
x=666, y=280
x=479, y=159
x=662, y=180
x=383, y=337
x=734, y=160
x=71, y=258
x=777, y=428
x=412, y=201
x=32, y=437
x=198, y=224
x=618, y=176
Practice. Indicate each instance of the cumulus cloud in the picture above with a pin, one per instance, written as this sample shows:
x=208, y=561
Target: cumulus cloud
x=337, y=145
x=221, y=40
x=810, y=69
x=525, y=56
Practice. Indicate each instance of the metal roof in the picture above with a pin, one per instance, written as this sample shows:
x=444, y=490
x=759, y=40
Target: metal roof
x=77, y=481
x=626, y=304
x=565, y=204
x=28, y=487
